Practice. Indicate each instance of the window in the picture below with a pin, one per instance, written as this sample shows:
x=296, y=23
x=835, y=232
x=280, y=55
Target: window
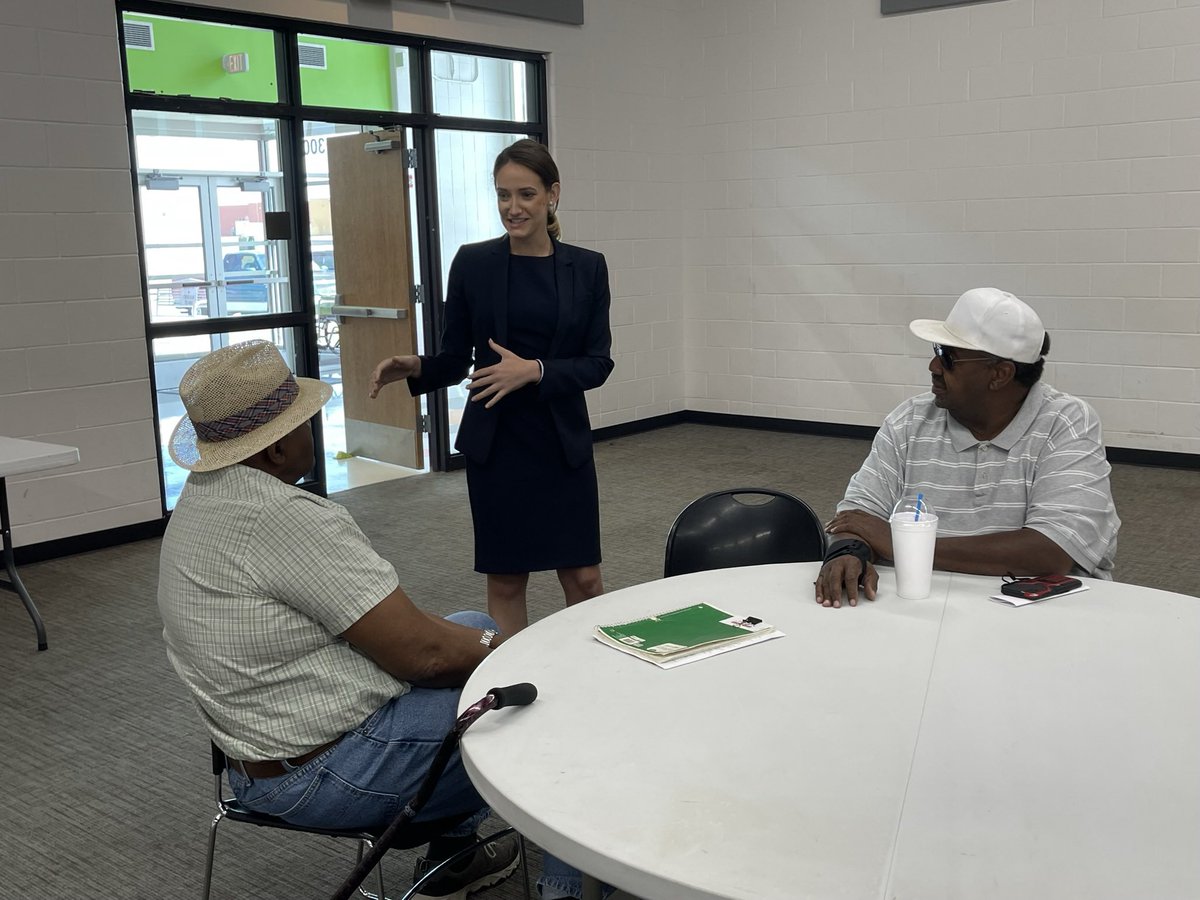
x=237, y=203
x=206, y=185
x=347, y=74
x=199, y=59
x=479, y=87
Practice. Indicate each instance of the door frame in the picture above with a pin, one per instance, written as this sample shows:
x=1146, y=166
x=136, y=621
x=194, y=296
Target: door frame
x=291, y=113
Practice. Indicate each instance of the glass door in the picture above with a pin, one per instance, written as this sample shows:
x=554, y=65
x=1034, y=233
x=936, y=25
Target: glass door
x=252, y=272
x=206, y=248
x=180, y=262
x=231, y=122
x=365, y=261
x=215, y=272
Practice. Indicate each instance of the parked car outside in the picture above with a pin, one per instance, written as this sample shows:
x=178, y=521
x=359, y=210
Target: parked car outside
x=244, y=294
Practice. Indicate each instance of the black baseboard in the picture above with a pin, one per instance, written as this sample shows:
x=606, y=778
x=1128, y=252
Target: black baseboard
x=641, y=426
x=82, y=543
x=729, y=420
x=787, y=426
x=1163, y=459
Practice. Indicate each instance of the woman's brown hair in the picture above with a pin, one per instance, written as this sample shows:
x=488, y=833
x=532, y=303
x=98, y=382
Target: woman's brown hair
x=535, y=157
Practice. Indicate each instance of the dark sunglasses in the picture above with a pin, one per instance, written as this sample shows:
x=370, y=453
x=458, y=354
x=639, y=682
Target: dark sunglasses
x=948, y=356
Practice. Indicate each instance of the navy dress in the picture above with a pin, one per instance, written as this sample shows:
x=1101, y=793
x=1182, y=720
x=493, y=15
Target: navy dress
x=531, y=510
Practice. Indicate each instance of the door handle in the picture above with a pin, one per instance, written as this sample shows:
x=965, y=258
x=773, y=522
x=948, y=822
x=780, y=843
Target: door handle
x=368, y=312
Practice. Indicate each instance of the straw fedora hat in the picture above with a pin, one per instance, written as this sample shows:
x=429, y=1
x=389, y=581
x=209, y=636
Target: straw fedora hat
x=239, y=400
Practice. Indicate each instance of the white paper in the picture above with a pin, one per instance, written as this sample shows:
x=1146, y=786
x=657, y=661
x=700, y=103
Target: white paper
x=1024, y=601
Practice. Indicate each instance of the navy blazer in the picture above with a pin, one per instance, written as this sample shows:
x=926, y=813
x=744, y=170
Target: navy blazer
x=580, y=351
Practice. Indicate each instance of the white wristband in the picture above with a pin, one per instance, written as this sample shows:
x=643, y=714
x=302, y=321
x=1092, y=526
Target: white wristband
x=541, y=371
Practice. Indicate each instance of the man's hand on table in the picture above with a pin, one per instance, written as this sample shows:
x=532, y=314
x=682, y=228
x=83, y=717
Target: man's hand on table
x=852, y=573
x=841, y=575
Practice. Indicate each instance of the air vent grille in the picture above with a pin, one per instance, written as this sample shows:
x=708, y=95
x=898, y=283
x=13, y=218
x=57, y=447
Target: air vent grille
x=138, y=35
x=312, y=56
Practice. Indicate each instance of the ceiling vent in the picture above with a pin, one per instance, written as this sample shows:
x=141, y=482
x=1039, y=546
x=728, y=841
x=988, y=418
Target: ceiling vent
x=138, y=35
x=312, y=56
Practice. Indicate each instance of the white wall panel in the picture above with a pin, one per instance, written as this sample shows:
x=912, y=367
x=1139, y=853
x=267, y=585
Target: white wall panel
x=1049, y=148
x=778, y=186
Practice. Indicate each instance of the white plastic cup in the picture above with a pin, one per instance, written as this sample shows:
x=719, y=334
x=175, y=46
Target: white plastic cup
x=914, y=533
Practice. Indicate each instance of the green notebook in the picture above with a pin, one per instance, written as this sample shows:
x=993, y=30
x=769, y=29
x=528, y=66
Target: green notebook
x=685, y=635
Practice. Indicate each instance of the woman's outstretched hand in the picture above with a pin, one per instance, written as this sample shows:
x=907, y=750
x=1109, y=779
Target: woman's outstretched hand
x=394, y=368
x=511, y=373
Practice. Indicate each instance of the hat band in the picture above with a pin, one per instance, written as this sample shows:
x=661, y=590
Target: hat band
x=250, y=418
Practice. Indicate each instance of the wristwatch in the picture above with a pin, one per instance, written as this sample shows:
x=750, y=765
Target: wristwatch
x=487, y=637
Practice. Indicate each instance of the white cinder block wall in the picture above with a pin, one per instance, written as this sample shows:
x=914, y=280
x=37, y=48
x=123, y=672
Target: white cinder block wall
x=779, y=186
x=856, y=172
x=72, y=338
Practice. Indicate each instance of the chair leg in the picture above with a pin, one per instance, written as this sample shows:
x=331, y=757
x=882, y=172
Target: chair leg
x=364, y=846
x=591, y=888
x=212, y=847
x=524, y=865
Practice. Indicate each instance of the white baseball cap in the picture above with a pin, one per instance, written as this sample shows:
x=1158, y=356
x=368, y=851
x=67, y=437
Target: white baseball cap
x=990, y=320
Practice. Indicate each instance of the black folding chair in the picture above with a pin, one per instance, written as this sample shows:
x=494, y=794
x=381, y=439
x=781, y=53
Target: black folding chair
x=402, y=833
x=743, y=527
x=229, y=808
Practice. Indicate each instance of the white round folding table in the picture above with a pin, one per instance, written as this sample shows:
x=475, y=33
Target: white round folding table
x=951, y=747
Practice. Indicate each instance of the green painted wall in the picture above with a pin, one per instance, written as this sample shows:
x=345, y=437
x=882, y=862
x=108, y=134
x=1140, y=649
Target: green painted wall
x=186, y=60
x=357, y=75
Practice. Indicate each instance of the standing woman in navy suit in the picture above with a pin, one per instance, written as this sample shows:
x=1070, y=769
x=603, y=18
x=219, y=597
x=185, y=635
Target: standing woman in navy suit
x=531, y=314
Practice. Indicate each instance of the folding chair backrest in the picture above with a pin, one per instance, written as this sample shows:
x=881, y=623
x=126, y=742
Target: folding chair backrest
x=743, y=527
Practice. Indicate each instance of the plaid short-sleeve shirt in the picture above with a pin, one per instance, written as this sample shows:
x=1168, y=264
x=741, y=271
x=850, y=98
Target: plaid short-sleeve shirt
x=257, y=579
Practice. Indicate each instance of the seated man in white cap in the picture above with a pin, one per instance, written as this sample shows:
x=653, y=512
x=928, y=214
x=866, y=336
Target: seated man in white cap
x=1015, y=470
x=327, y=689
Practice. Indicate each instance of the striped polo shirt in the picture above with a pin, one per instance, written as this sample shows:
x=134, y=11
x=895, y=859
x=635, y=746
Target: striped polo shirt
x=1046, y=471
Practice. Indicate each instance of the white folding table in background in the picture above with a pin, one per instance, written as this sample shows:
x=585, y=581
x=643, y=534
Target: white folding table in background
x=20, y=457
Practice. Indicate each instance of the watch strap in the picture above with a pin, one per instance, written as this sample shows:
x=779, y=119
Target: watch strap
x=860, y=550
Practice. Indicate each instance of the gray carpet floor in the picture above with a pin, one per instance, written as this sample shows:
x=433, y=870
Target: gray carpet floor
x=106, y=782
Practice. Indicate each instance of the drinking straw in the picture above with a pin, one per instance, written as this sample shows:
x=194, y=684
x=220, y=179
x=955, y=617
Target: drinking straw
x=917, y=514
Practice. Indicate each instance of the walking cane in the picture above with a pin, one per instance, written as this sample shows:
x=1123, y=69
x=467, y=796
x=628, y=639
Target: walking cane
x=497, y=698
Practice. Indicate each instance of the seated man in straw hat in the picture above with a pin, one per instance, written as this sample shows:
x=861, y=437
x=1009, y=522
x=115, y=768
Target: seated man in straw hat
x=1014, y=469
x=328, y=690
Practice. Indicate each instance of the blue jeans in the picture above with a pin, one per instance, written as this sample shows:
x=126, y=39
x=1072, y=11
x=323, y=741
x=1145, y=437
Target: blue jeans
x=364, y=780
x=559, y=878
